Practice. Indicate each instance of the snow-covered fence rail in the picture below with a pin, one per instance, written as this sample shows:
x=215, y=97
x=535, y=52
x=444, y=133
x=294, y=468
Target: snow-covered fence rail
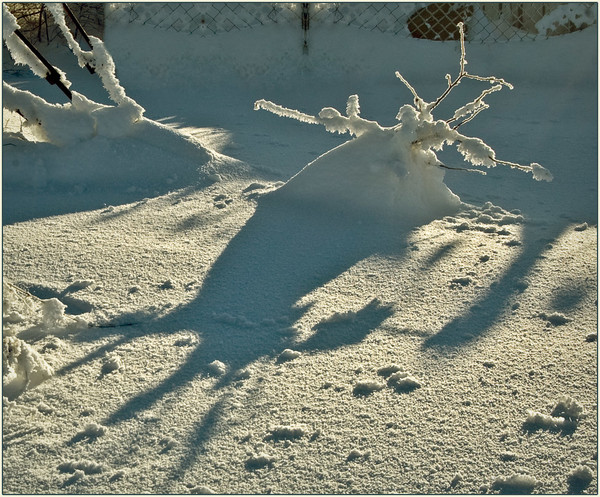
x=485, y=22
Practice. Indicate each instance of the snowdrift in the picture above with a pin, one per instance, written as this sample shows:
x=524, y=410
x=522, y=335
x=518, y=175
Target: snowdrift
x=368, y=179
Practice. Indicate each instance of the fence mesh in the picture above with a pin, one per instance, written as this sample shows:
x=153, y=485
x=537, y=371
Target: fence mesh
x=484, y=22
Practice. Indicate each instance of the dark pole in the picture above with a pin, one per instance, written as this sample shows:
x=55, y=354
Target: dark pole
x=40, y=23
x=305, y=24
x=79, y=27
x=52, y=76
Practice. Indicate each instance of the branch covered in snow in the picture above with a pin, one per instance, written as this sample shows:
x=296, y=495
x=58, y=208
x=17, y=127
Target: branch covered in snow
x=329, y=117
x=57, y=11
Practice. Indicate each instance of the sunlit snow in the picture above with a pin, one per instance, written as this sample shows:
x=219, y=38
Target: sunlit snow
x=199, y=297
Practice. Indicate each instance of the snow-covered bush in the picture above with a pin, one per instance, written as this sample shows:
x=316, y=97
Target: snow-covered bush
x=411, y=162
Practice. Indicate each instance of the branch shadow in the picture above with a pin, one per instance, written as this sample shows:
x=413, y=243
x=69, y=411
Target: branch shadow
x=336, y=333
x=249, y=298
x=478, y=319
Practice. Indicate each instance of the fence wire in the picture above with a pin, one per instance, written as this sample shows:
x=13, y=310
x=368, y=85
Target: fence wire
x=484, y=22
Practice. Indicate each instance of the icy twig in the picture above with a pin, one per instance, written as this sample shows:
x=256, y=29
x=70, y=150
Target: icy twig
x=473, y=108
x=281, y=111
x=420, y=104
x=539, y=172
x=329, y=117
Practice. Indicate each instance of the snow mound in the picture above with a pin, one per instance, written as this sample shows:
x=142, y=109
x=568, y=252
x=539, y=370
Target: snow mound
x=91, y=149
x=368, y=178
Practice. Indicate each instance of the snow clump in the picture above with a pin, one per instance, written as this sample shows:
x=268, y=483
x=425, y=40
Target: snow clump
x=515, y=484
x=358, y=454
x=367, y=387
x=388, y=370
x=288, y=355
x=555, y=319
x=539, y=421
x=112, y=363
x=403, y=382
x=88, y=467
x=568, y=407
x=292, y=432
x=257, y=461
x=92, y=430
x=579, y=478
x=22, y=367
x=217, y=368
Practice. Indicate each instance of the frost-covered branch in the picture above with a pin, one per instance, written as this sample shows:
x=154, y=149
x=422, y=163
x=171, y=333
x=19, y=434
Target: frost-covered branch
x=281, y=111
x=57, y=11
x=428, y=107
x=329, y=117
x=473, y=108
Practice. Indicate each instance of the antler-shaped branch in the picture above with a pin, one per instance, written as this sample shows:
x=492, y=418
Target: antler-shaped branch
x=477, y=104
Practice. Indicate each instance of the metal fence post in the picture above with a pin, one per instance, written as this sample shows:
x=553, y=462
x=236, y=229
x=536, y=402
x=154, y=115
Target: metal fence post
x=305, y=25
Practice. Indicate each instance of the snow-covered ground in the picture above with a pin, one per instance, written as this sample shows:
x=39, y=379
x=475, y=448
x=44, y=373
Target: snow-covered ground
x=196, y=323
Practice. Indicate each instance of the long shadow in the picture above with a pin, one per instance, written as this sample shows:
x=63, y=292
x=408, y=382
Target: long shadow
x=249, y=298
x=477, y=320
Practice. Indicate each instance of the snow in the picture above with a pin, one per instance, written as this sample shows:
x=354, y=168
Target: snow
x=203, y=298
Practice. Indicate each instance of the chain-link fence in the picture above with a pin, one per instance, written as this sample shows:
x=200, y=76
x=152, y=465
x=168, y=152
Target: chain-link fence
x=484, y=22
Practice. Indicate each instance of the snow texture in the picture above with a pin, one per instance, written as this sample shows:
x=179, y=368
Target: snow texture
x=201, y=298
